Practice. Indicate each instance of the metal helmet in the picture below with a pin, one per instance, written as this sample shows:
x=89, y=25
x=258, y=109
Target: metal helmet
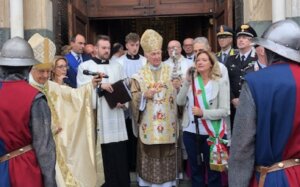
x=282, y=38
x=17, y=52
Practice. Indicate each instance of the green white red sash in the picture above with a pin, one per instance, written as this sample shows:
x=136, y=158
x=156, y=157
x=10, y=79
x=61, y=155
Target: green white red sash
x=215, y=128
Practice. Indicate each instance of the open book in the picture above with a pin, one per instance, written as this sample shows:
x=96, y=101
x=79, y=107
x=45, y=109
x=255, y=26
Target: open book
x=121, y=94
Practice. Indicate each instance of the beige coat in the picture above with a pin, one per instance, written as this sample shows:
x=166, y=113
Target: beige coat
x=219, y=105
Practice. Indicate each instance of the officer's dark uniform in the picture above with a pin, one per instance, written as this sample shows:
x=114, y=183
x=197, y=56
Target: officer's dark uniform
x=232, y=52
x=237, y=68
x=225, y=31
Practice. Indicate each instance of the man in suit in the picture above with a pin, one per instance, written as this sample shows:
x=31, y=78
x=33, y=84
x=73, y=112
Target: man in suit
x=242, y=63
x=225, y=39
x=75, y=57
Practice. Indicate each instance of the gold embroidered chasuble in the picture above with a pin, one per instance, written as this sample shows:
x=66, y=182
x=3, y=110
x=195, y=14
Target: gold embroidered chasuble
x=158, y=123
x=155, y=158
x=71, y=111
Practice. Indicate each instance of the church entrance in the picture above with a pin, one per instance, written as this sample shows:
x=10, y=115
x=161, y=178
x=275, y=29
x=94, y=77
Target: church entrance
x=173, y=19
x=169, y=27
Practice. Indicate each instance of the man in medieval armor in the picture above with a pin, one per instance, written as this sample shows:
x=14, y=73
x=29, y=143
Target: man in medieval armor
x=265, y=142
x=27, y=148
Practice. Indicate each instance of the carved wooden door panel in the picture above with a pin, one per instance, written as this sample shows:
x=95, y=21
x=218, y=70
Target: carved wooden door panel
x=223, y=12
x=80, y=22
x=117, y=8
x=183, y=7
x=144, y=8
x=69, y=17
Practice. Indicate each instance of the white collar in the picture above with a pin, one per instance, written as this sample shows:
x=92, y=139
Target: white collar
x=226, y=51
x=32, y=81
x=245, y=54
x=75, y=54
x=155, y=68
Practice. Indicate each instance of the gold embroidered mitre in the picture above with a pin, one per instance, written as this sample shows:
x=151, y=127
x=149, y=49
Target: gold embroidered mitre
x=151, y=41
x=44, y=50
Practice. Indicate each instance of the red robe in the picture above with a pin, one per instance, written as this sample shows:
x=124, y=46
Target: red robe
x=16, y=98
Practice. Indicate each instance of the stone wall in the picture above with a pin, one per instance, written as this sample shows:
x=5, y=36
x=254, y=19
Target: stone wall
x=38, y=17
x=259, y=13
x=4, y=21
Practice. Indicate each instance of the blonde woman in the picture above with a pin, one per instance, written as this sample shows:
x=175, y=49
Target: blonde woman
x=205, y=96
x=59, y=71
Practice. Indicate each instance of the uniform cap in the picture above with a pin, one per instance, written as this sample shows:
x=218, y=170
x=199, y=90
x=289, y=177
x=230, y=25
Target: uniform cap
x=247, y=30
x=224, y=30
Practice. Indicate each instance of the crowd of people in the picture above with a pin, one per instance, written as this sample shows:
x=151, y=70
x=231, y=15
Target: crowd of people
x=232, y=115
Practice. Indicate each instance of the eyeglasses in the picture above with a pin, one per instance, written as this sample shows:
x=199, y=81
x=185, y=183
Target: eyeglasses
x=62, y=67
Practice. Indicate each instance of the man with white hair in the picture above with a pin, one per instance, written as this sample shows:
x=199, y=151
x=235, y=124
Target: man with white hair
x=72, y=121
x=154, y=112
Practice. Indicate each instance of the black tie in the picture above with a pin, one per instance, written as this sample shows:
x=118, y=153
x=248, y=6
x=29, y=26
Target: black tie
x=243, y=58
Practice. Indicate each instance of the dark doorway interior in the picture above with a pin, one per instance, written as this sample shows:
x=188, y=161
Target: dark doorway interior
x=169, y=27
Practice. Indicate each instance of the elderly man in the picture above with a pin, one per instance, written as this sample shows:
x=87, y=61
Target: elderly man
x=265, y=148
x=27, y=149
x=72, y=120
x=154, y=111
x=188, y=49
x=176, y=61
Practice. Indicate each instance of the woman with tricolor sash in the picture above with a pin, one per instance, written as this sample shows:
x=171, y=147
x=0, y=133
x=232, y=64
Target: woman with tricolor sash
x=205, y=96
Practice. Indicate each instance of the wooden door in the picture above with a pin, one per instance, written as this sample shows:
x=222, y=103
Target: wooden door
x=223, y=15
x=182, y=7
x=223, y=12
x=60, y=24
x=117, y=8
x=78, y=20
x=215, y=12
x=146, y=8
x=69, y=18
